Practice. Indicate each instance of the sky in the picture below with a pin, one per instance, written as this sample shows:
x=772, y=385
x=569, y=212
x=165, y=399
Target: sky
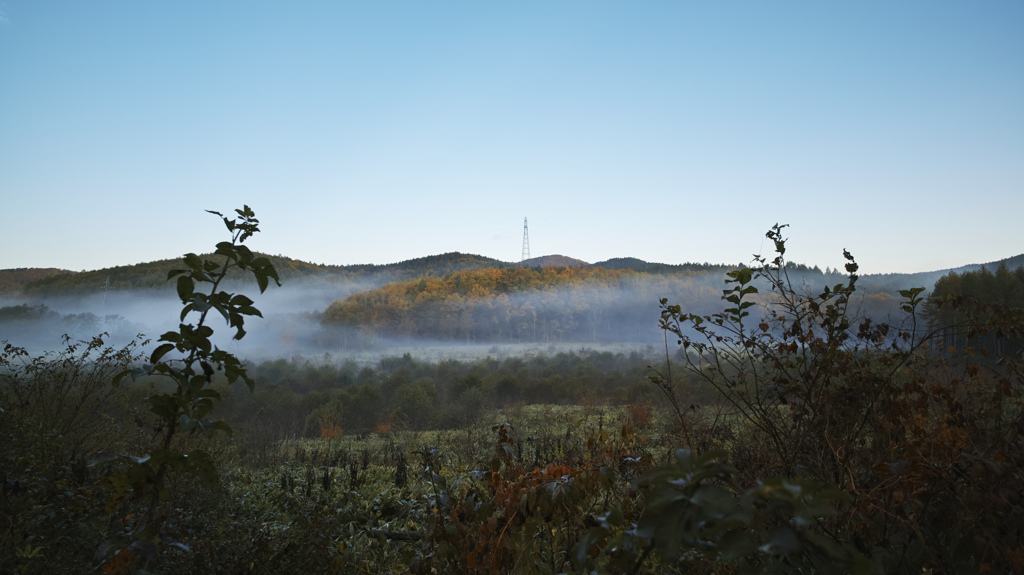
x=376, y=132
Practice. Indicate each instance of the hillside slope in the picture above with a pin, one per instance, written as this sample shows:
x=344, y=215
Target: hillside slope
x=39, y=283
x=554, y=261
x=13, y=280
x=153, y=275
x=520, y=304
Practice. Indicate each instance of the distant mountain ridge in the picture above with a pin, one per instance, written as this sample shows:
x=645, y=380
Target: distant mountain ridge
x=439, y=264
x=640, y=265
x=42, y=282
x=895, y=281
x=153, y=275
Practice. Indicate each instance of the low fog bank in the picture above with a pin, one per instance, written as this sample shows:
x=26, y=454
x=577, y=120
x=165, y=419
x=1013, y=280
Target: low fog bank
x=623, y=318
x=291, y=313
x=626, y=310
x=292, y=326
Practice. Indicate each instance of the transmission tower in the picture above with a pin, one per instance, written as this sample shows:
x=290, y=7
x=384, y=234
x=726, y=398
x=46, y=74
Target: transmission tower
x=106, y=288
x=526, y=242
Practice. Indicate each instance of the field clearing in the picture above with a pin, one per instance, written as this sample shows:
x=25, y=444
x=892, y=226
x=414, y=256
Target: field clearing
x=361, y=503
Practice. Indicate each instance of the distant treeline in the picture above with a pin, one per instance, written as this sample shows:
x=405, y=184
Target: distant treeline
x=311, y=398
x=992, y=298
x=37, y=326
x=639, y=265
x=1002, y=287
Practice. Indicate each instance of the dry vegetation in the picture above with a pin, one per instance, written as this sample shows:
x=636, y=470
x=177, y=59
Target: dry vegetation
x=808, y=440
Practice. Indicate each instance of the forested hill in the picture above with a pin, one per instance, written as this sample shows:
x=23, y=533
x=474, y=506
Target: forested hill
x=897, y=281
x=523, y=304
x=11, y=281
x=430, y=265
x=554, y=261
x=154, y=274
x=49, y=282
x=534, y=304
x=39, y=283
x=147, y=275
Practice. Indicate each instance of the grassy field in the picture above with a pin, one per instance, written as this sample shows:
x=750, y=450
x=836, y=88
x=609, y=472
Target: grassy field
x=363, y=503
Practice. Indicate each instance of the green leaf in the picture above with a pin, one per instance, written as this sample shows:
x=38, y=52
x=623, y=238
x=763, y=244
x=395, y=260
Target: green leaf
x=211, y=393
x=160, y=351
x=241, y=300
x=249, y=310
x=193, y=261
x=171, y=336
x=186, y=287
x=245, y=256
x=226, y=249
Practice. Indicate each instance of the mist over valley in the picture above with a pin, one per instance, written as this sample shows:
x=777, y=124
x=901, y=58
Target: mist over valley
x=442, y=306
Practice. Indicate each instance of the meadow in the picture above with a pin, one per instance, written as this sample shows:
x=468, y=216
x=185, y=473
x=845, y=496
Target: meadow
x=782, y=434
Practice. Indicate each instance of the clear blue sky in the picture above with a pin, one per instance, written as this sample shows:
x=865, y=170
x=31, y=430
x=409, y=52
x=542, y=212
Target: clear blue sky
x=374, y=132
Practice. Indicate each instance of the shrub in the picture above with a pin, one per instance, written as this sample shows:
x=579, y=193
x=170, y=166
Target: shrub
x=56, y=411
x=921, y=438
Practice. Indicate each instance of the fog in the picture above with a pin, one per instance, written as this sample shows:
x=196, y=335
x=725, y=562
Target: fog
x=292, y=325
x=626, y=312
x=622, y=317
x=290, y=318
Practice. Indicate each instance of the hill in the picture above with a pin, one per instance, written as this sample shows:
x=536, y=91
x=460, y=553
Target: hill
x=13, y=280
x=898, y=281
x=554, y=261
x=430, y=265
x=153, y=275
x=36, y=283
x=610, y=300
x=522, y=304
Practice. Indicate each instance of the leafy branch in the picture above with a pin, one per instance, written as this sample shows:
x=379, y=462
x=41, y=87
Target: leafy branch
x=186, y=409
